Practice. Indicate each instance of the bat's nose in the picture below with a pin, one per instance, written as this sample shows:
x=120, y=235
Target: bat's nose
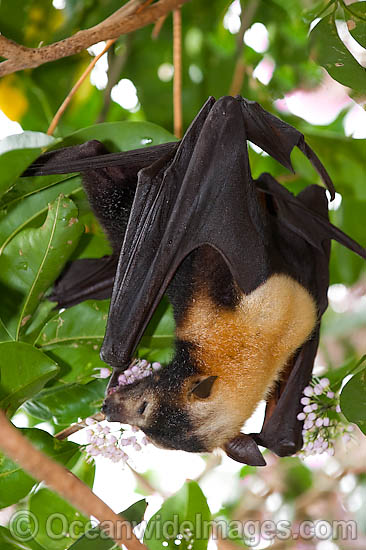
x=112, y=410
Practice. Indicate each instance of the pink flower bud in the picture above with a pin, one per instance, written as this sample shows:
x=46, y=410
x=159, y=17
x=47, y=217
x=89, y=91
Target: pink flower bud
x=330, y=394
x=135, y=369
x=324, y=382
x=326, y=421
x=104, y=372
x=319, y=422
x=122, y=379
x=312, y=416
x=307, y=409
x=89, y=421
x=156, y=365
x=318, y=389
x=305, y=400
x=308, y=391
x=301, y=416
x=314, y=406
x=338, y=409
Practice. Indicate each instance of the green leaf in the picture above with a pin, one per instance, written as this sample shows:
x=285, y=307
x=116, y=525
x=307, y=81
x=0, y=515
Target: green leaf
x=15, y=483
x=24, y=371
x=299, y=478
x=157, y=341
x=17, y=152
x=121, y=136
x=95, y=539
x=186, y=510
x=328, y=50
x=33, y=260
x=355, y=16
x=247, y=471
x=78, y=362
x=31, y=209
x=65, y=327
x=8, y=541
x=59, y=523
x=65, y=404
x=353, y=400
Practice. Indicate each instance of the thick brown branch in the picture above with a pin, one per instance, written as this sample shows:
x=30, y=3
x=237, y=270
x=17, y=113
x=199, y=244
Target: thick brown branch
x=18, y=448
x=121, y=22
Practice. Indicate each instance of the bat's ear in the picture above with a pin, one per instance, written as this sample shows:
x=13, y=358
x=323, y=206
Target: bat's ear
x=204, y=387
x=244, y=449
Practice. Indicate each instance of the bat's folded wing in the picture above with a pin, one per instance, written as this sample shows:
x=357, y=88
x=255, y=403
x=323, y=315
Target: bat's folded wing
x=203, y=194
x=85, y=279
x=306, y=216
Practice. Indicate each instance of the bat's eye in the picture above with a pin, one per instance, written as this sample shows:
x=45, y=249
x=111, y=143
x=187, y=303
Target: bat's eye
x=142, y=408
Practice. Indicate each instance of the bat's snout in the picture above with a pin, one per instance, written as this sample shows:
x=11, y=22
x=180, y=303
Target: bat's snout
x=113, y=409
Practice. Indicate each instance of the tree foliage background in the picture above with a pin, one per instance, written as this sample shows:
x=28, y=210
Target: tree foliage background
x=48, y=359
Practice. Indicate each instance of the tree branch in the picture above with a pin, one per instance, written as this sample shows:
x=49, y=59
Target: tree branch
x=247, y=16
x=58, y=478
x=177, y=81
x=123, y=21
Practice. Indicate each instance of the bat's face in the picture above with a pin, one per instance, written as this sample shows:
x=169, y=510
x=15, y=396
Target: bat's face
x=188, y=414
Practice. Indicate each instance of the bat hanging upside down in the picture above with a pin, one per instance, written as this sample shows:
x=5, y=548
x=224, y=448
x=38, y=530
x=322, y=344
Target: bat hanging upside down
x=243, y=262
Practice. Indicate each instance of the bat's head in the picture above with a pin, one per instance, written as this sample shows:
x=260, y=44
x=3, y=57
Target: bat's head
x=174, y=406
x=180, y=407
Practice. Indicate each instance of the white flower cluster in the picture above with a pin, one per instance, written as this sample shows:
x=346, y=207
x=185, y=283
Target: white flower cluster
x=138, y=369
x=101, y=442
x=323, y=423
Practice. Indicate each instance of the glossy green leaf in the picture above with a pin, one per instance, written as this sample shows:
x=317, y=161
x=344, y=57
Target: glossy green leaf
x=355, y=16
x=157, y=342
x=24, y=372
x=17, y=152
x=15, y=483
x=121, y=136
x=78, y=362
x=65, y=404
x=353, y=399
x=328, y=50
x=10, y=541
x=95, y=539
x=66, y=328
x=30, y=210
x=33, y=260
x=59, y=523
x=183, y=516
